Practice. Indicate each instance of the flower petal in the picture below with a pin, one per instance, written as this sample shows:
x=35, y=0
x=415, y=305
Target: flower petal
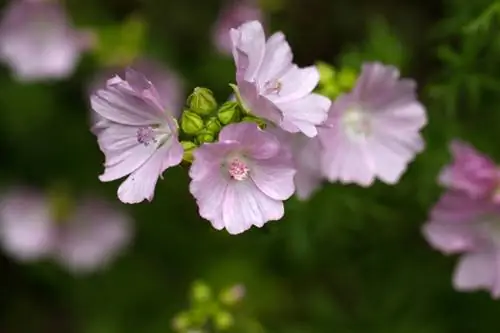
x=479, y=270
x=257, y=143
x=305, y=114
x=297, y=83
x=277, y=58
x=250, y=40
x=246, y=206
x=274, y=176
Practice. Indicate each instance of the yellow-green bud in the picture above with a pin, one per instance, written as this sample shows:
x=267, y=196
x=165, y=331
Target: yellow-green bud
x=205, y=136
x=202, y=101
x=346, y=78
x=232, y=295
x=213, y=125
x=229, y=112
x=201, y=292
x=181, y=322
x=191, y=123
x=188, y=147
x=330, y=90
x=326, y=72
x=223, y=320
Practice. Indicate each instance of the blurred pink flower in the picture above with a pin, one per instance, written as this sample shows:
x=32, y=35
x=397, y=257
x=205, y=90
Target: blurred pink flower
x=38, y=42
x=232, y=15
x=140, y=138
x=167, y=83
x=461, y=224
x=87, y=239
x=271, y=86
x=242, y=179
x=374, y=130
x=470, y=172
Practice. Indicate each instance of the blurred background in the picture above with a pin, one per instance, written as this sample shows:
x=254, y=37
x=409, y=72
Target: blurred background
x=348, y=260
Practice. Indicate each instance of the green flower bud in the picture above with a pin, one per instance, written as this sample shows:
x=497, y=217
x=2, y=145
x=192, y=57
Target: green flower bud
x=330, y=90
x=223, y=320
x=191, y=123
x=229, y=113
x=205, y=136
x=181, y=322
x=326, y=72
x=261, y=123
x=213, y=125
x=202, y=101
x=232, y=295
x=347, y=78
x=189, y=148
x=201, y=292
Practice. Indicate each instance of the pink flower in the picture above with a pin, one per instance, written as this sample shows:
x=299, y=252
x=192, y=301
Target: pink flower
x=85, y=240
x=306, y=153
x=242, y=179
x=38, y=42
x=140, y=138
x=471, y=226
x=166, y=82
x=471, y=172
x=374, y=130
x=235, y=13
x=271, y=86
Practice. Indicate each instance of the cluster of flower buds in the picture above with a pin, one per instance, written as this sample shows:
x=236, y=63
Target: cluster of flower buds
x=209, y=310
x=284, y=131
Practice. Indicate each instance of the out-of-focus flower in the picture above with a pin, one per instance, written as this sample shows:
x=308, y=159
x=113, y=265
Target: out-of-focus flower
x=374, y=130
x=461, y=224
x=471, y=172
x=140, y=138
x=167, y=83
x=38, y=42
x=242, y=179
x=82, y=239
x=234, y=14
x=271, y=86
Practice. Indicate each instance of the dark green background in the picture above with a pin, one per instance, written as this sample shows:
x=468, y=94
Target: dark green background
x=350, y=260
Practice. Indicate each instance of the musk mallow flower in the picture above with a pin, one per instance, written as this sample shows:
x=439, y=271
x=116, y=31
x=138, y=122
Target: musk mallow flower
x=471, y=172
x=82, y=239
x=38, y=42
x=241, y=180
x=373, y=131
x=271, y=86
x=233, y=14
x=140, y=138
x=460, y=224
x=167, y=83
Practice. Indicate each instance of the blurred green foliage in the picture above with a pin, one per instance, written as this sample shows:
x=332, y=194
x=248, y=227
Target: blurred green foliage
x=350, y=260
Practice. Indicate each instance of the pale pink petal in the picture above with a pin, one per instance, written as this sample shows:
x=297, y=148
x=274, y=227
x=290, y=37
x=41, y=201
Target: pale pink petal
x=210, y=156
x=140, y=185
x=477, y=271
x=27, y=230
x=297, y=83
x=307, y=156
x=305, y=114
x=257, y=143
x=245, y=206
x=275, y=176
x=277, y=58
x=259, y=105
x=93, y=237
x=250, y=40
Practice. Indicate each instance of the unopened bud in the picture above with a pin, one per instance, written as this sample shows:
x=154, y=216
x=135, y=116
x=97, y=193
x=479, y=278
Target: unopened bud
x=233, y=295
x=205, y=137
x=181, y=322
x=229, y=112
x=213, y=125
x=201, y=292
x=223, y=320
x=346, y=78
x=202, y=101
x=189, y=148
x=326, y=72
x=191, y=123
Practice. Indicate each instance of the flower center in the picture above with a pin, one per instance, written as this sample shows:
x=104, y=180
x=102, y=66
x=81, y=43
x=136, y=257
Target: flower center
x=238, y=169
x=272, y=87
x=146, y=135
x=356, y=123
